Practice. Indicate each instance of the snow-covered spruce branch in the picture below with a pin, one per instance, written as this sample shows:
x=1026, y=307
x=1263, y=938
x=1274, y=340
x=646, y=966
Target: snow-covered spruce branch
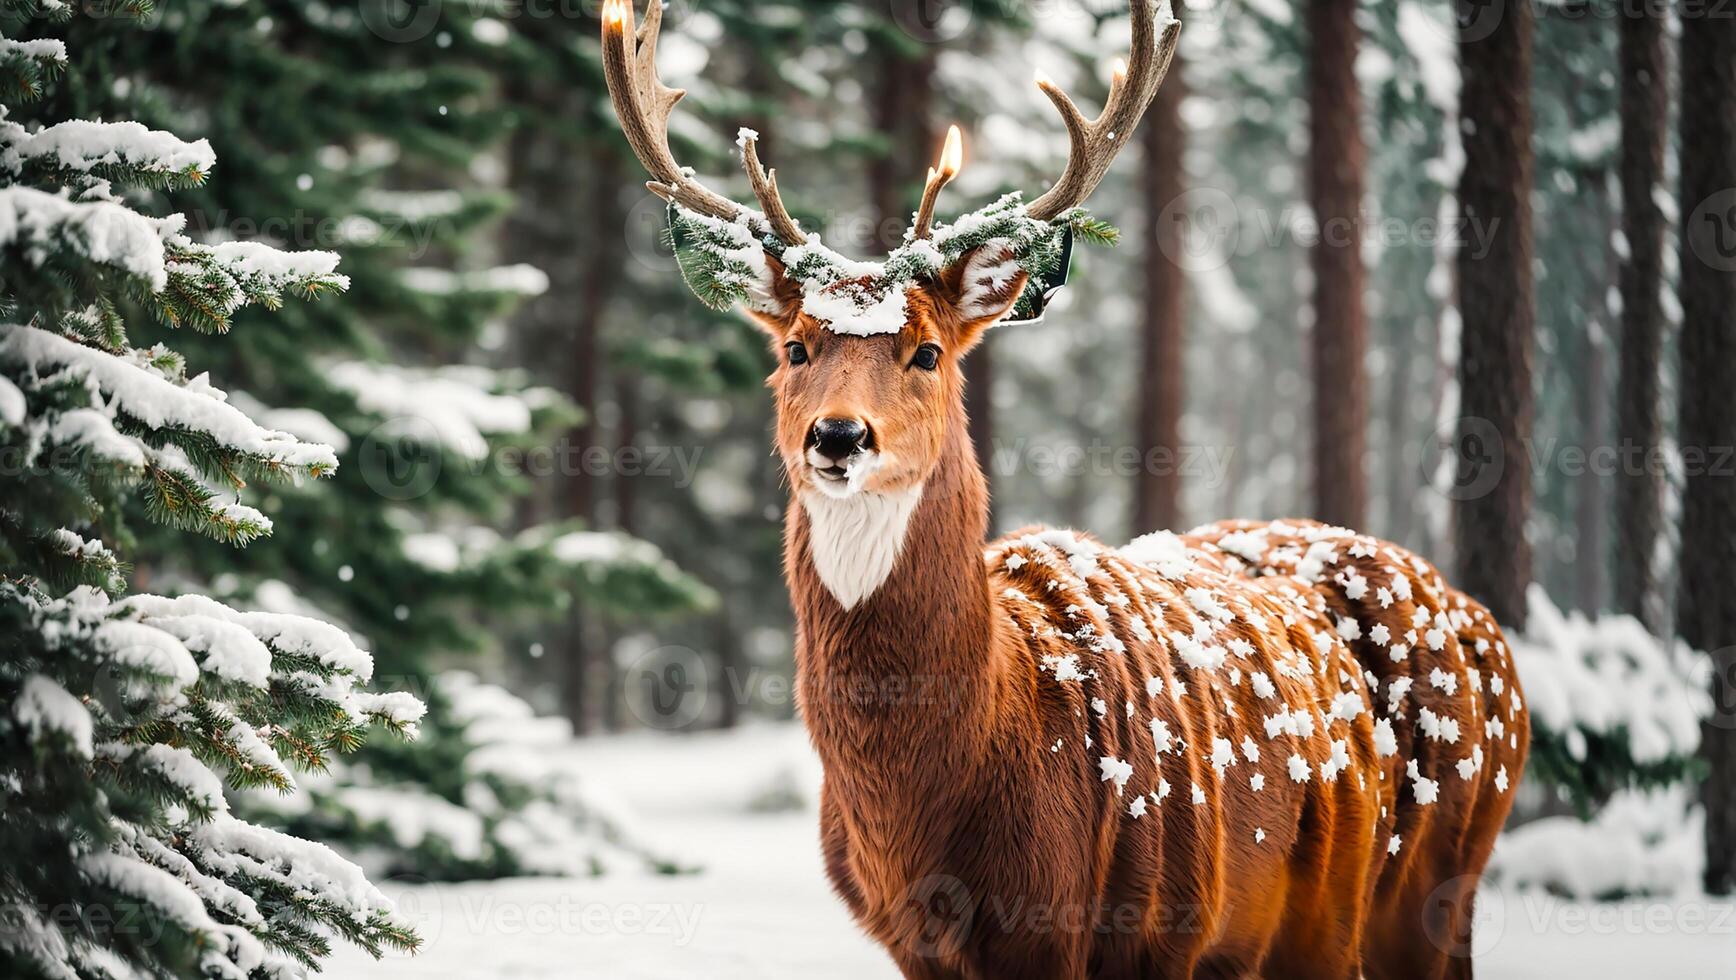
x=92, y=252
x=139, y=420
x=88, y=244
x=724, y=262
x=178, y=690
x=515, y=804
x=1613, y=706
x=27, y=68
x=79, y=152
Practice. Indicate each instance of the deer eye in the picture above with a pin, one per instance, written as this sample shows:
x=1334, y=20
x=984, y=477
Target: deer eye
x=927, y=357
x=796, y=352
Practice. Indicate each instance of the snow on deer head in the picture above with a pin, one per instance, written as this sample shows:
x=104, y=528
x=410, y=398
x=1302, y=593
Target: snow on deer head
x=864, y=406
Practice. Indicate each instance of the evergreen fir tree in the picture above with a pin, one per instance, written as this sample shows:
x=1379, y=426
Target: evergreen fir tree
x=365, y=143
x=119, y=855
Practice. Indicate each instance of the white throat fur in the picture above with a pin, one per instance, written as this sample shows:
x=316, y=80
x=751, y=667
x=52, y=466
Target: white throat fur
x=855, y=540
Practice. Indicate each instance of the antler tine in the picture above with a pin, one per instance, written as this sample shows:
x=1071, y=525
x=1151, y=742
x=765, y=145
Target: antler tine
x=765, y=188
x=1093, y=144
x=951, y=159
x=643, y=103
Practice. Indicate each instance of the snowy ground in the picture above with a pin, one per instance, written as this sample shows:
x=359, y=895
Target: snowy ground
x=761, y=908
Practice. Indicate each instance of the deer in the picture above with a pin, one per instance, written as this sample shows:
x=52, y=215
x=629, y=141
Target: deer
x=1253, y=749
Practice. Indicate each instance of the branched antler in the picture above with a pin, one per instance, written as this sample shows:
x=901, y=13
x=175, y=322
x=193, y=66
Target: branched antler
x=1094, y=143
x=643, y=103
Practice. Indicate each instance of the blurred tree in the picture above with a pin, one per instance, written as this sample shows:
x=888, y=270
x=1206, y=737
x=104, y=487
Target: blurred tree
x=1161, y=382
x=1706, y=618
x=1497, y=300
x=1645, y=111
x=1591, y=503
x=1577, y=139
x=1412, y=168
x=558, y=209
x=1336, y=160
x=1244, y=258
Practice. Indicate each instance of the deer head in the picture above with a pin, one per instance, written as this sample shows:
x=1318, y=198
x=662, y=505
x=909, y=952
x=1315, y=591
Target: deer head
x=868, y=383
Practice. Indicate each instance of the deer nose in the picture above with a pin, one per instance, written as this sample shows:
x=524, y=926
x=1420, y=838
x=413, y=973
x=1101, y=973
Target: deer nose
x=838, y=439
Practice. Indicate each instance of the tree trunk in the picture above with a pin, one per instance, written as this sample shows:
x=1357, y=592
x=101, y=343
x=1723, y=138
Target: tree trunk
x=1589, y=505
x=1645, y=104
x=902, y=93
x=584, y=660
x=1493, y=484
x=1336, y=159
x=628, y=474
x=548, y=229
x=624, y=481
x=1706, y=616
x=733, y=686
x=1157, y=488
x=1401, y=472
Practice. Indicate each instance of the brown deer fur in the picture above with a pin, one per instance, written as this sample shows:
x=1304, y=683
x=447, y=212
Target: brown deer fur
x=977, y=712
x=1278, y=750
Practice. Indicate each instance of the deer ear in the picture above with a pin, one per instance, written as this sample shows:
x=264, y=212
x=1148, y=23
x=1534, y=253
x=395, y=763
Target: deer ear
x=981, y=287
x=775, y=301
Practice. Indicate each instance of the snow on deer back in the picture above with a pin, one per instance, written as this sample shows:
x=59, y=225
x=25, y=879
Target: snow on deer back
x=1250, y=690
